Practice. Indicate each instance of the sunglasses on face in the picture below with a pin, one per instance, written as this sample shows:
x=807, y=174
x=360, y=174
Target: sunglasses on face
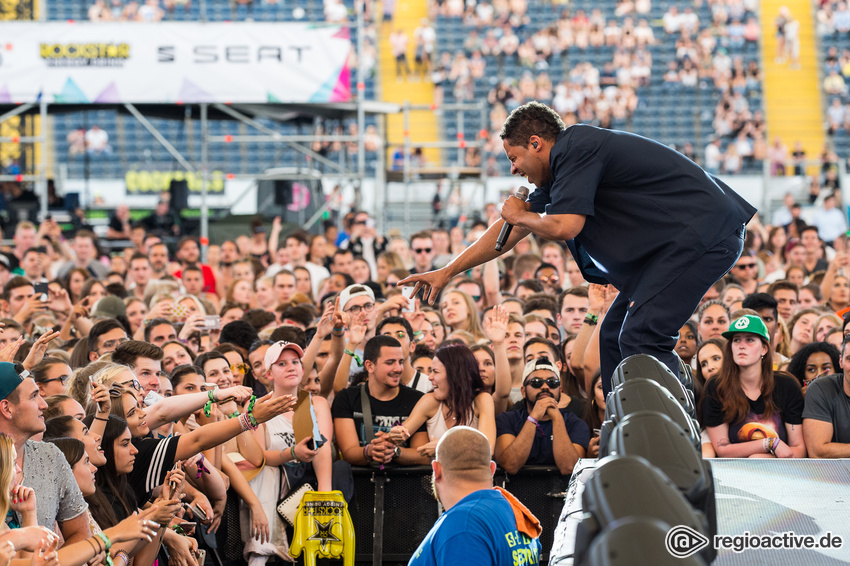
x=422, y=250
x=537, y=382
x=240, y=368
x=746, y=266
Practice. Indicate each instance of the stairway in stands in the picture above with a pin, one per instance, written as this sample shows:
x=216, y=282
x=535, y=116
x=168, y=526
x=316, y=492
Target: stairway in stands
x=792, y=92
x=423, y=124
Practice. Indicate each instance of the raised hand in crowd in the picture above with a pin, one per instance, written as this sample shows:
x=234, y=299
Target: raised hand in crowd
x=496, y=325
x=39, y=347
x=195, y=323
x=393, y=306
x=7, y=352
x=31, y=308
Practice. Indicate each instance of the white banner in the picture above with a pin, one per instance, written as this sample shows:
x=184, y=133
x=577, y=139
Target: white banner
x=173, y=63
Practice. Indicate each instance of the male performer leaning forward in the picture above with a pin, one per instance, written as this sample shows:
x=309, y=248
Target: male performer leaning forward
x=633, y=212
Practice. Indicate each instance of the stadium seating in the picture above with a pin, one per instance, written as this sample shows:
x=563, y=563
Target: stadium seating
x=688, y=120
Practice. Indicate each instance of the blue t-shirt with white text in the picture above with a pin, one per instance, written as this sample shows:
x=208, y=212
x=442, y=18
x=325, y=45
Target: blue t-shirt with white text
x=479, y=529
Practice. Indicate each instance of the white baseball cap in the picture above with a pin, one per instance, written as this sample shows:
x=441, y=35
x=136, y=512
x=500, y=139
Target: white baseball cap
x=534, y=365
x=353, y=291
x=276, y=349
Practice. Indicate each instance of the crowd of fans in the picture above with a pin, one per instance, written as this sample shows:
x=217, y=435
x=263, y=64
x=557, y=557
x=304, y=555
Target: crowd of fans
x=130, y=379
x=718, y=55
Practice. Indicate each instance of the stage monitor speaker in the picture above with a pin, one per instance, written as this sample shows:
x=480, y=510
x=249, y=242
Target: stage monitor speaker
x=179, y=190
x=636, y=541
x=629, y=486
x=648, y=367
x=644, y=395
x=654, y=436
x=686, y=375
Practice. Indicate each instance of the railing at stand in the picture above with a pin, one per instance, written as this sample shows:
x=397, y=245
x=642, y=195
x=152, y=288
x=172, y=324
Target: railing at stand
x=393, y=509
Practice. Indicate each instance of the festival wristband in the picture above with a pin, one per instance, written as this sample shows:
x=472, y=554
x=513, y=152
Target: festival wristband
x=355, y=356
x=591, y=319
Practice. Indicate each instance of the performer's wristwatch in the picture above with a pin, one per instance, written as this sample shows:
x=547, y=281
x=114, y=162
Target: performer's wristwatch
x=396, y=452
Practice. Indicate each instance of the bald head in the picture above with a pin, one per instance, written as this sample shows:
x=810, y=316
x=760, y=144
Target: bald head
x=464, y=454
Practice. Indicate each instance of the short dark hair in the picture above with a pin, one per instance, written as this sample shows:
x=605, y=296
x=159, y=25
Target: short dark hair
x=289, y=333
x=553, y=348
x=783, y=285
x=117, y=289
x=139, y=255
x=395, y=320
x=758, y=301
x=259, y=344
x=15, y=283
x=297, y=235
x=239, y=333
x=341, y=251
x=191, y=267
x=531, y=119
x=100, y=328
x=153, y=324
x=258, y=318
x=422, y=235
x=298, y=313
x=532, y=285
x=372, y=350
x=810, y=229
x=128, y=352
x=544, y=302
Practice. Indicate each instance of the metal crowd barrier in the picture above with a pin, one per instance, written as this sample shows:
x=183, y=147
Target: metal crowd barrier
x=393, y=509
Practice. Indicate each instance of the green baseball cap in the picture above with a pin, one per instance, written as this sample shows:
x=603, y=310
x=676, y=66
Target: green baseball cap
x=749, y=323
x=9, y=379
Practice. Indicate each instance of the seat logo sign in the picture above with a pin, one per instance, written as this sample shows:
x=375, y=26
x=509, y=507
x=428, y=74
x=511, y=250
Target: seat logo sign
x=683, y=541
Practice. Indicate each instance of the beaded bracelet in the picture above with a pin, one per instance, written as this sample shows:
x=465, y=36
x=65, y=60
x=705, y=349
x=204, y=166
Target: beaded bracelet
x=123, y=554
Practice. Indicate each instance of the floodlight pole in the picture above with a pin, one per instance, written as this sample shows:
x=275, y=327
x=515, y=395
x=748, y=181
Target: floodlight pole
x=41, y=184
x=205, y=175
x=361, y=112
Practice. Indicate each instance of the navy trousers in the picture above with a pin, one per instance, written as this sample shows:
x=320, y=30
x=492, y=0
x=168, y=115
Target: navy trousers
x=653, y=327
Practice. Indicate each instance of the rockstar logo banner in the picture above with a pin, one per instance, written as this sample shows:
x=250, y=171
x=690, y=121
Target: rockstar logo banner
x=323, y=528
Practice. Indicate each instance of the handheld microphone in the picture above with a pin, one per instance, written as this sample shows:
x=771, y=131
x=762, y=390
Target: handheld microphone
x=522, y=194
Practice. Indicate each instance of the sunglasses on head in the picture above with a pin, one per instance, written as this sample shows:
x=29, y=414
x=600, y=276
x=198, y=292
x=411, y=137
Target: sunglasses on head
x=537, y=382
